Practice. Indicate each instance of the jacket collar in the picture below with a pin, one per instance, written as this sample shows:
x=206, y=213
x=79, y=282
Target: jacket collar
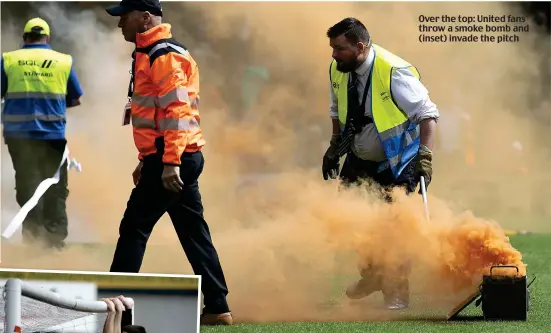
x=161, y=31
x=36, y=46
x=366, y=65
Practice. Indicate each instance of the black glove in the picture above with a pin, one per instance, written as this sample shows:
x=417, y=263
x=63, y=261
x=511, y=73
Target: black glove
x=423, y=167
x=330, y=164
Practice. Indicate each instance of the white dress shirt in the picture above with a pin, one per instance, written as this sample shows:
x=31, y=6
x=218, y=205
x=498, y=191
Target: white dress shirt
x=410, y=95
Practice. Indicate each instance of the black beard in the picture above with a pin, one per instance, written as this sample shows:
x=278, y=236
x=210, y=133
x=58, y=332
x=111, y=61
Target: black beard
x=347, y=67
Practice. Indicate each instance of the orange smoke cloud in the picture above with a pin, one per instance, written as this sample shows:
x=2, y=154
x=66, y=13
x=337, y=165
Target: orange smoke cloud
x=454, y=251
x=291, y=241
x=471, y=247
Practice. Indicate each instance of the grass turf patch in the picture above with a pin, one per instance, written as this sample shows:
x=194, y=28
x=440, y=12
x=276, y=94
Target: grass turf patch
x=536, y=250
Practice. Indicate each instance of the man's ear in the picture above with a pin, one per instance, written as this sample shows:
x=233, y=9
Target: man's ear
x=146, y=17
x=361, y=47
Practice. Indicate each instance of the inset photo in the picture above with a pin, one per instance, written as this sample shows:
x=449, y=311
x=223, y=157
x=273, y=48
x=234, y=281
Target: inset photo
x=43, y=301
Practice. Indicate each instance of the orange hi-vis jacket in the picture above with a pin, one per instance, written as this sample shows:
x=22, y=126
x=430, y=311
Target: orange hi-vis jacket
x=164, y=92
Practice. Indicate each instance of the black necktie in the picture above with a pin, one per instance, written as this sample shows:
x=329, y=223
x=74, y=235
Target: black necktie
x=352, y=114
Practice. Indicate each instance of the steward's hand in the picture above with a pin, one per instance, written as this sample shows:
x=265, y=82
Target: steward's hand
x=330, y=163
x=423, y=167
x=137, y=174
x=171, y=178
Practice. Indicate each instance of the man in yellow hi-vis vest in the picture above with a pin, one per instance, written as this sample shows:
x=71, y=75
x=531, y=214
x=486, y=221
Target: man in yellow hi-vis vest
x=384, y=122
x=38, y=84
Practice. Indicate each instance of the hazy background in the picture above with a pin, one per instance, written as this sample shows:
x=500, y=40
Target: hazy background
x=281, y=231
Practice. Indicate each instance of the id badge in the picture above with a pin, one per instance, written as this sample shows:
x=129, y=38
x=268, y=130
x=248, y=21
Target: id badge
x=127, y=114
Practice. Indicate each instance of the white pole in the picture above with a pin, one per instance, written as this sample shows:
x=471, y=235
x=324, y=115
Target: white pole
x=16, y=288
x=13, y=305
x=424, y=194
x=55, y=299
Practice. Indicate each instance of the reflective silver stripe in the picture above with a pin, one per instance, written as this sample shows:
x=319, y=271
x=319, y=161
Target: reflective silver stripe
x=178, y=94
x=395, y=160
x=410, y=136
x=140, y=122
x=166, y=45
x=391, y=132
x=195, y=103
x=178, y=124
x=20, y=95
x=16, y=118
x=145, y=101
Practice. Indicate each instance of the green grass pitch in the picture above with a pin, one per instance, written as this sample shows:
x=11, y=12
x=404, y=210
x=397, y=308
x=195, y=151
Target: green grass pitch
x=536, y=249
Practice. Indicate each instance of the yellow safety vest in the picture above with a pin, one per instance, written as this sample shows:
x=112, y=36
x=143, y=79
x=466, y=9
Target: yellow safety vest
x=399, y=137
x=35, y=100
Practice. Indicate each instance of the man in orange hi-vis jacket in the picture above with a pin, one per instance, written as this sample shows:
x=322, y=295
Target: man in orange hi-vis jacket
x=163, y=108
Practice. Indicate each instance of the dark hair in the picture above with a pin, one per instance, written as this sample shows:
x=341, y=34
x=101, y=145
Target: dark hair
x=134, y=329
x=35, y=35
x=354, y=31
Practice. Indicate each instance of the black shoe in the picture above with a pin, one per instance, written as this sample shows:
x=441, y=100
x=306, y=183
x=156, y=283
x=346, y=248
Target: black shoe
x=396, y=293
x=363, y=287
x=396, y=304
x=59, y=245
x=216, y=319
x=55, y=245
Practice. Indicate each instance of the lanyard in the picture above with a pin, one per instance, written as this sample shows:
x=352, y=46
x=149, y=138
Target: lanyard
x=131, y=83
x=366, y=89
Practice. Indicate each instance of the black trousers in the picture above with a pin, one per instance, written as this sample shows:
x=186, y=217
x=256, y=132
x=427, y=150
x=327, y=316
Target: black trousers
x=392, y=281
x=355, y=169
x=148, y=203
x=35, y=161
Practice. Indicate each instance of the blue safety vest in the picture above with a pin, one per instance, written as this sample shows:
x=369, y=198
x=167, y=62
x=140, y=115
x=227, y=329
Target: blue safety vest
x=35, y=101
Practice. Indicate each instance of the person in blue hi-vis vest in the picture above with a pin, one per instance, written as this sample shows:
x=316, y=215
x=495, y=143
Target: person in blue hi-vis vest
x=384, y=123
x=38, y=85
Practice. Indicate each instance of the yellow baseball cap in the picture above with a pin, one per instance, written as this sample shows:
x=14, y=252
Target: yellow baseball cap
x=37, y=25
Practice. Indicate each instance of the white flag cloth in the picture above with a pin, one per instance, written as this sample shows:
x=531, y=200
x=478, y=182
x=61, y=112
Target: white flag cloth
x=16, y=222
